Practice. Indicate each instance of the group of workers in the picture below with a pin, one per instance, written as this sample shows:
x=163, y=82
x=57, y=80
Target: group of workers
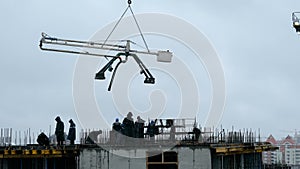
x=128, y=128
x=60, y=134
x=134, y=129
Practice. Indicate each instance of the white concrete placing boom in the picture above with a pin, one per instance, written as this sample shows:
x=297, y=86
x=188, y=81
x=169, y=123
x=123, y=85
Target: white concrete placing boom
x=59, y=45
x=49, y=43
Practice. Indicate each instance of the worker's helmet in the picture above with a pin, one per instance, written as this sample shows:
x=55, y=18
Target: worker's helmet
x=57, y=118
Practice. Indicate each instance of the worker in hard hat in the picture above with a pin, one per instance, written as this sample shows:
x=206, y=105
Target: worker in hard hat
x=59, y=131
x=72, y=132
x=116, y=132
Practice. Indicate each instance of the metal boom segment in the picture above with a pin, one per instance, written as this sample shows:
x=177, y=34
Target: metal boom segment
x=56, y=45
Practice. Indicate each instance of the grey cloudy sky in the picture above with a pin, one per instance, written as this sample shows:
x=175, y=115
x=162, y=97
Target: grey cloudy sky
x=256, y=43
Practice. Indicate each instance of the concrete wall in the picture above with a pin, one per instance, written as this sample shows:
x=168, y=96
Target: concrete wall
x=102, y=159
x=194, y=159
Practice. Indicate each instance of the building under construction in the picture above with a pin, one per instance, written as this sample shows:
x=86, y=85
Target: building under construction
x=177, y=144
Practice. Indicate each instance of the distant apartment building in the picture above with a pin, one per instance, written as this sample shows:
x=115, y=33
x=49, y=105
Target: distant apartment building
x=288, y=152
x=273, y=157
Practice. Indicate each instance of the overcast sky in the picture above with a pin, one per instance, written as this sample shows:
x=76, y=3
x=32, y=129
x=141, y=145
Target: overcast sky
x=255, y=40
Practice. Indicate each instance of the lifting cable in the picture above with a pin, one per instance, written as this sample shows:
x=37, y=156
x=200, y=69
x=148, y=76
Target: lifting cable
x=140, y=31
